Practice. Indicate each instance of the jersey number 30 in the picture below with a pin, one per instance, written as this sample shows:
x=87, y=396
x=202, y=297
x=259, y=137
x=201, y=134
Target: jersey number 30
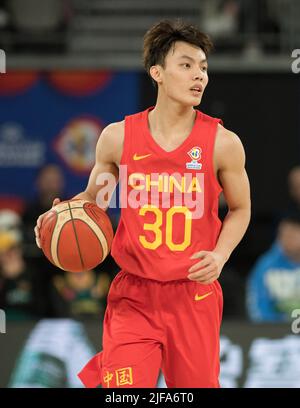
x=155, y=227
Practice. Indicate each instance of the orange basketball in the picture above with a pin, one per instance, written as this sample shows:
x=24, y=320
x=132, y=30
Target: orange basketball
x=76, y=235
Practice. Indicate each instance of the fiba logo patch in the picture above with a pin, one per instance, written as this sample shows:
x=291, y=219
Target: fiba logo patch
x=76, y=144
x=195, y=155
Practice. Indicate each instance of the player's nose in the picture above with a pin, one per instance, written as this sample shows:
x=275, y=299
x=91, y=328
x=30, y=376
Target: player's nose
x=199, y=75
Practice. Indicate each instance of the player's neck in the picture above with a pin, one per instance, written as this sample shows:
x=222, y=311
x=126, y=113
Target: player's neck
x=169, y=118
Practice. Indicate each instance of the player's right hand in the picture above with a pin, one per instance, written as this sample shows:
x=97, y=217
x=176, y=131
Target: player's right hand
x=39, y=223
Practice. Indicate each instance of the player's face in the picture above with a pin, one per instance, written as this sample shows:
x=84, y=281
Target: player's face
x=184, y=76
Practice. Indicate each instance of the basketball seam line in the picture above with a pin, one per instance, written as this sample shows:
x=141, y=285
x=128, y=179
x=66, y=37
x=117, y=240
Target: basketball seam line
x=98, y=240
x=57, y=257
x=66, y=209
x=106, y=238
x=76, y=237
x=57, y=246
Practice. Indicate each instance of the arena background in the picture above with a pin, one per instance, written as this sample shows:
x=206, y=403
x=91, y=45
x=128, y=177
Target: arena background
x=72, y=67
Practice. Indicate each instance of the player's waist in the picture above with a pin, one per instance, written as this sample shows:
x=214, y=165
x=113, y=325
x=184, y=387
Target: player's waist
x=152, y=278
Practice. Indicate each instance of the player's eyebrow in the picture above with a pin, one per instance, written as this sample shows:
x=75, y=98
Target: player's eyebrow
x=192, y=59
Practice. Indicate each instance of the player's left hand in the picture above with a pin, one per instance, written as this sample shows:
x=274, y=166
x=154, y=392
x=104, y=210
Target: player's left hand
x=208, y=269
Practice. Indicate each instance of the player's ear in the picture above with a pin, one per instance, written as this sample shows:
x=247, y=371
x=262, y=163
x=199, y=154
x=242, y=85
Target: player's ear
x=155, y=72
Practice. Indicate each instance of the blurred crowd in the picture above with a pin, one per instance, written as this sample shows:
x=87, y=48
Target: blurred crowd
x=250, y=26
x=34, y=25
x=260, y=282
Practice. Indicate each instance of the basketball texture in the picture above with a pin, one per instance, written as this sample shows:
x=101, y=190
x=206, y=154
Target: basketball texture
x=76, y=235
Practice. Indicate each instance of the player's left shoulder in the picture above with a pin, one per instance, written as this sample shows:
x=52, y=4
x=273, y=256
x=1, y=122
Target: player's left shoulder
x=226, y=138
x=228, y=145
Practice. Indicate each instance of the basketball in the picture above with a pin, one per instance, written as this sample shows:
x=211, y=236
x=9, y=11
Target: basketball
x=76, y=235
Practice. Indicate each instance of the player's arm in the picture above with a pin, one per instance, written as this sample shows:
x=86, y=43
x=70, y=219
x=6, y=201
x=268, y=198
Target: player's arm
x=104, y=175
x=230, y=164
x=108, y=152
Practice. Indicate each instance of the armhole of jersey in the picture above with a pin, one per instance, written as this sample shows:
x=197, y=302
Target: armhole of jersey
x=212, y=142
x=127, y=140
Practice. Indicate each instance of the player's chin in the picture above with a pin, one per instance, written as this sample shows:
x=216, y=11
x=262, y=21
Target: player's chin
x=195, y=100
x=190, y=102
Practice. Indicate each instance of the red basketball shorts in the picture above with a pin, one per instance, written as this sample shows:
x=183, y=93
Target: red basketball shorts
x=151, y=325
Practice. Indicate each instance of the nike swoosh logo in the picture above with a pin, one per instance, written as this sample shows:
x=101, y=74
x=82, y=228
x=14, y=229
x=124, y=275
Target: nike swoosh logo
x=136, y=157
x=197, y=297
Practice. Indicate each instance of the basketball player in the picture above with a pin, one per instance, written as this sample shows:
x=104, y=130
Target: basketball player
x=164, y=307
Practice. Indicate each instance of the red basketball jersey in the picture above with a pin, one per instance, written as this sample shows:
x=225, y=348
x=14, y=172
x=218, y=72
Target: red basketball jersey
x=169, y=200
